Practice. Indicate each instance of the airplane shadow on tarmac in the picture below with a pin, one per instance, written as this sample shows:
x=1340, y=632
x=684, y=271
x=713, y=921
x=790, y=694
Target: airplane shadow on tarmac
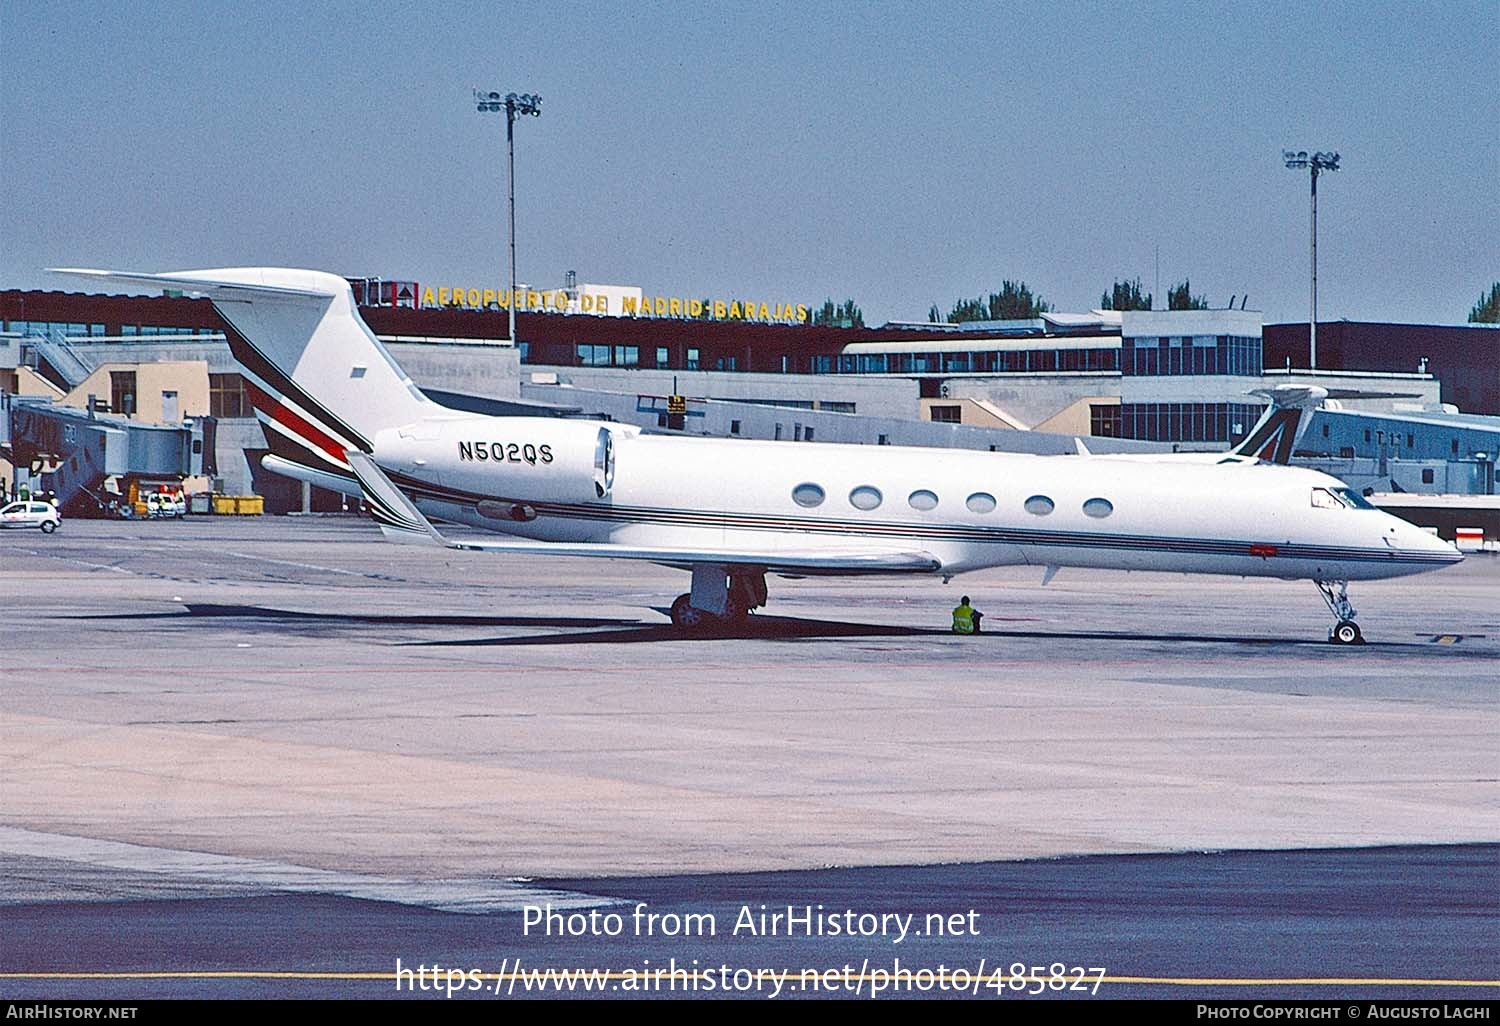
x=266, y=615
x=783, y=628
x=762, y=628
x=574, y=630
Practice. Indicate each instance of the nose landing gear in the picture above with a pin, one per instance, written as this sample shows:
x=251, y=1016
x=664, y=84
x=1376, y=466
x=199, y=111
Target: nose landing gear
x=1345, y=631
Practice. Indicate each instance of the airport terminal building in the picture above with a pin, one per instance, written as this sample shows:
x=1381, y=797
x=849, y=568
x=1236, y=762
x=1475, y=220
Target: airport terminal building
x=1131, y=380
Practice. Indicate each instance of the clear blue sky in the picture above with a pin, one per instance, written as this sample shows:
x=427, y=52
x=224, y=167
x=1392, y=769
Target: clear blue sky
x=900, y=154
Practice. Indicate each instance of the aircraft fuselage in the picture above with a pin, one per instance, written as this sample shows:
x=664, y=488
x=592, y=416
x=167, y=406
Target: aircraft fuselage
x=577, y=481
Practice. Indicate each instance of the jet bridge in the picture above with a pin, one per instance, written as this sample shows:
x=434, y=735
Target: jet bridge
x=88, y=460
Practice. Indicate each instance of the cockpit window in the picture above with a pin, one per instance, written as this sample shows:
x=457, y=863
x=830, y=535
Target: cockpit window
x=1353, y=499
x=1339, y=498
x=1322, y=498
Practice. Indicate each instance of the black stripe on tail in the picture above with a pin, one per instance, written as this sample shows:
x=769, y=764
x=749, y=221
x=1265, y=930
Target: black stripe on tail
x=1271, y=440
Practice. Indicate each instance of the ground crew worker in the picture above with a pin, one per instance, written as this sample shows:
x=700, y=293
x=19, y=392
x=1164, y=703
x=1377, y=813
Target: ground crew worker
x=966, y=618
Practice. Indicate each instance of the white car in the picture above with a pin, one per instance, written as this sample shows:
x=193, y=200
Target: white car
x=165, y=505
x=31, y=514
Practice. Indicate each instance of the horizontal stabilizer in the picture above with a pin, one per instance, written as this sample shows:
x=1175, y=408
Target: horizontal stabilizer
x=226, y=283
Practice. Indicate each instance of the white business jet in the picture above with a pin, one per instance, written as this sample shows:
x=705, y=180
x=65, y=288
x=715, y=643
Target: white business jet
x=339, y=412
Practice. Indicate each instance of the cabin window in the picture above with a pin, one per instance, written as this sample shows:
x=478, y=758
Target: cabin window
x=865, y=497
x=1098, y=508
x=922, y=499
x=808, y=494
x=1040, y=505
x=980, y=502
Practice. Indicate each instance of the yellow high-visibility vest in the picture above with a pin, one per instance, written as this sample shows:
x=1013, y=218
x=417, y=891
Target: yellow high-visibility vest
x=963, y=620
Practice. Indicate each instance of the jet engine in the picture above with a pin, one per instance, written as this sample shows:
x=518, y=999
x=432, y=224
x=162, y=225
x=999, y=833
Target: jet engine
x=506, y=463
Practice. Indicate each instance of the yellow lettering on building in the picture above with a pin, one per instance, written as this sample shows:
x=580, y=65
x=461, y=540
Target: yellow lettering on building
x=559, y=300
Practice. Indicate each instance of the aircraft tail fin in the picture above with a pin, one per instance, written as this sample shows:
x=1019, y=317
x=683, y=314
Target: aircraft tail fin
x=1274, y=436
x=320, y=381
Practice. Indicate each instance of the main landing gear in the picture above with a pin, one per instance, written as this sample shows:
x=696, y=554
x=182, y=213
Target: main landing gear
x=721, y=597
x=1345, y=631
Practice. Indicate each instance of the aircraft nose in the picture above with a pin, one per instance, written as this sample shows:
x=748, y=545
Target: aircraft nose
x=1415, y=539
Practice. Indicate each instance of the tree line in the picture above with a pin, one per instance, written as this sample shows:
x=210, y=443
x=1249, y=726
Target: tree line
x=1015, y=301
x=1487, y=310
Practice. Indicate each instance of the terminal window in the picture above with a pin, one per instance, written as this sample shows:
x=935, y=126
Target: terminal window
x=1104, y=420
x=226, y=396
x=947, y=415
x=1186, y=422
x=592, y=355
x=122, y=392
x=1190, y=355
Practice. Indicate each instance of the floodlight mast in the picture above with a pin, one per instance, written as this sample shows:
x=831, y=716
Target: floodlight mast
x=514, y=106
x=1296, y=160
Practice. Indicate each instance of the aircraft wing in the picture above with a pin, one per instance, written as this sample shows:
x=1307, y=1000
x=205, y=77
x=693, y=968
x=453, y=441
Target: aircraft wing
x=811, y=562
x=401, y=521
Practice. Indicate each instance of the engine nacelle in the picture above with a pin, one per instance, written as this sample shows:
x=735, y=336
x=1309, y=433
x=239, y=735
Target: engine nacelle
x=506, y=463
